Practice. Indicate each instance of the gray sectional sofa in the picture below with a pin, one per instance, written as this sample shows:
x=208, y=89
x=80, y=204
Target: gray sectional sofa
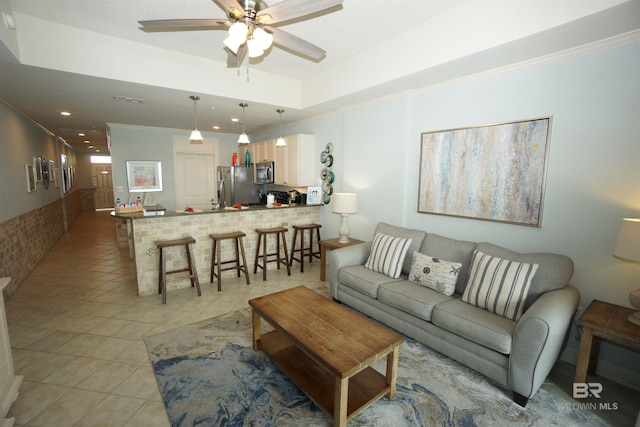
x=518, y=351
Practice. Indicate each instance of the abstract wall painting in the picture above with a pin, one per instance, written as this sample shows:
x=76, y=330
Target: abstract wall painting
x=493, y=172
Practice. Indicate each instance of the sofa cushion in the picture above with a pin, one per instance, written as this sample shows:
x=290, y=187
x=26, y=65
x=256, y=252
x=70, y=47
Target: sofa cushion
x=475, y=324
x=499, y=285
x=434, y=273
x=387, y=254
x=416, y=236
x=364, y=280
x=453, y=250
x=411, y=298
x=554, y=271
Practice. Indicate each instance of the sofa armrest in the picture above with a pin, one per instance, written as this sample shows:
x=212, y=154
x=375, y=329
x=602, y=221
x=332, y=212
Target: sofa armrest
x=539, y=338
x=350, y=255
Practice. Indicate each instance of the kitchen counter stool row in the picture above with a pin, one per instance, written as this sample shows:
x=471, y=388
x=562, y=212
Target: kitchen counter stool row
x=281, y=255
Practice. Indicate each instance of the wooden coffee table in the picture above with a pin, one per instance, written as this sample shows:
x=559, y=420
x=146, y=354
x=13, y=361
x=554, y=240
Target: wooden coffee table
x=327, y=350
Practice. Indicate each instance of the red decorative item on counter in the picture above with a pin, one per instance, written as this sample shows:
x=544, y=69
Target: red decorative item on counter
x=234, y=159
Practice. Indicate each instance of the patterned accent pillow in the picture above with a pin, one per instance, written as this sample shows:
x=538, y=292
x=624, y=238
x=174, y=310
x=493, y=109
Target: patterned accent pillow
x=387, y=254
x=499, y=285
x=434, y=273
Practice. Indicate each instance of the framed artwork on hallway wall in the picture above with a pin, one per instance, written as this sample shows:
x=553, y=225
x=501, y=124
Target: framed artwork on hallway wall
x=30, y=172
x=493, y=172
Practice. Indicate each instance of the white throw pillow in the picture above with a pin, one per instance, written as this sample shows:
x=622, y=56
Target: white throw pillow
x=434, y=273
x=499, y=285
x=387, y=254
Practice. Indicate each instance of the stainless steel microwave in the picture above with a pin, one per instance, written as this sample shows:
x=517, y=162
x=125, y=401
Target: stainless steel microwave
x=265, y=172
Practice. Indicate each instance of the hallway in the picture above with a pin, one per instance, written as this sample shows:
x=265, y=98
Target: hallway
x=77, y=325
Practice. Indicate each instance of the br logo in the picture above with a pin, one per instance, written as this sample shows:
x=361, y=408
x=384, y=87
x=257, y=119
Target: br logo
x=584, y=390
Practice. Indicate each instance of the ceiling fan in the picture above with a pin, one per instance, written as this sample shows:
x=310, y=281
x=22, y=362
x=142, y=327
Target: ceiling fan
x=250, y=26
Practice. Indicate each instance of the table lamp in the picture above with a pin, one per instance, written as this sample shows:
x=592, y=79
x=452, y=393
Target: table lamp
x=628, y=249
x=344, y=204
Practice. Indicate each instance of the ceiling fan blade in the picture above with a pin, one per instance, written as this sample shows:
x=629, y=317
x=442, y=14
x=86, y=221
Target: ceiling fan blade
x=291, y=9
x=235, y=61
x=295, y=44
x=231, y=6
x=183, y=24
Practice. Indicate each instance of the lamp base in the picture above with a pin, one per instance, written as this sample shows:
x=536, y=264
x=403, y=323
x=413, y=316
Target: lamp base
x=635, y=318
x=344, y=231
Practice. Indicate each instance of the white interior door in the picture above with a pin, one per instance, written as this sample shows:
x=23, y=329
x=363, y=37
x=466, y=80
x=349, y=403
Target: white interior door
x=195, y=180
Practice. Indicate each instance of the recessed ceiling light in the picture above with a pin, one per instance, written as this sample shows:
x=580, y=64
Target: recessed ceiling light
x=81, y=134
x=216, y=127
x=65, y=113
x=87, y=142
x=235, y=120
x=90, y=147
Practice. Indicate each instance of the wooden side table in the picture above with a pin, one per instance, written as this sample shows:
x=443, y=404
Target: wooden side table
x=332, y=244
x=602, y=320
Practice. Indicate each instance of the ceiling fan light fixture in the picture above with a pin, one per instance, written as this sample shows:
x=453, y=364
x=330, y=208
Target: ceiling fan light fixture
x=263, y=38
x=254, y=48
x=232, y=44
x=238, y=32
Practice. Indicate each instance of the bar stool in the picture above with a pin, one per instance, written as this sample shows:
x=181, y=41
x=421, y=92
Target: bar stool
x=280, y=233
x=163, y=245
x=216, y=256
x=300, y=229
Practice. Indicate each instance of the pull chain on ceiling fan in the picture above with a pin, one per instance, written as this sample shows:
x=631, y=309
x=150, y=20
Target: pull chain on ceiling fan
x=251, y=27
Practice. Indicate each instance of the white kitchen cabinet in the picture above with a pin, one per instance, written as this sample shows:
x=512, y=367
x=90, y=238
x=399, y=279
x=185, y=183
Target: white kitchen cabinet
x=9, y=382
x=263, y=151
x=296, y=163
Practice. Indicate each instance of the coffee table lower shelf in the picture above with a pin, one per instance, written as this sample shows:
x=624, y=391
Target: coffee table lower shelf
x=318, y=383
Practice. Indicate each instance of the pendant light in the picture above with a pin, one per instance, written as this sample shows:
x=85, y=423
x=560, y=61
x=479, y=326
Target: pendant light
x=244, y=138
x=280, y=142
x=196, y=136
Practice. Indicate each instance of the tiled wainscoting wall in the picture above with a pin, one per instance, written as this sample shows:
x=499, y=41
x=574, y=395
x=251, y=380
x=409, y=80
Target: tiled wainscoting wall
x=86, y=199
x=26, y=239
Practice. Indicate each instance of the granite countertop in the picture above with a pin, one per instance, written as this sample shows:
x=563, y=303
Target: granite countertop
x=161, y=212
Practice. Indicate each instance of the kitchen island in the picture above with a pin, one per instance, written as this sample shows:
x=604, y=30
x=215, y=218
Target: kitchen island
x=140, y=231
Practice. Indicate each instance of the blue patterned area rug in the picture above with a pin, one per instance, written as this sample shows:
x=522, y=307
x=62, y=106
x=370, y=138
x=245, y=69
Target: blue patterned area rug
x=209, y=375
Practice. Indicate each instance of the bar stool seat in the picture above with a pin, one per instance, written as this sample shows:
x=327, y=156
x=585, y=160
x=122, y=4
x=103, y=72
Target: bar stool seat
x=216, y=256
x=305, y=251
x=163, y=245
x=263, y=233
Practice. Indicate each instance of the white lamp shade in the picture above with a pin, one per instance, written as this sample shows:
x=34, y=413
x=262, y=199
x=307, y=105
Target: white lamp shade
x=243, y=139
x=263, y=38
x=281, y=142
x=628, y=244
x=195, y=135
x=344, y=203
x=232, y=44
x=254, y=48
x=238, y=32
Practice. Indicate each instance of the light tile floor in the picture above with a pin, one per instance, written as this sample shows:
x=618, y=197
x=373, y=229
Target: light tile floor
x=77, y=325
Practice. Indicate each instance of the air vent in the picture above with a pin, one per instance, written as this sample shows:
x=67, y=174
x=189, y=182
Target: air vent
x=77, y=131
x=128, y=99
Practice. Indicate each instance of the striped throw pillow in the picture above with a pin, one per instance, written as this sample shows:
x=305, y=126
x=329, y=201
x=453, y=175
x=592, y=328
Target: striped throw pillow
x=387, y=254
x=499, y=285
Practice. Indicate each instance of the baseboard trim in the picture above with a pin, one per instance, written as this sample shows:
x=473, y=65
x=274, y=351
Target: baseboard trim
x=608, y=370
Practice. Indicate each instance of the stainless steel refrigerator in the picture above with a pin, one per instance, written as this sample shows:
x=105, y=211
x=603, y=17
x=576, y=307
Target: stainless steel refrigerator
x=235, y=185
